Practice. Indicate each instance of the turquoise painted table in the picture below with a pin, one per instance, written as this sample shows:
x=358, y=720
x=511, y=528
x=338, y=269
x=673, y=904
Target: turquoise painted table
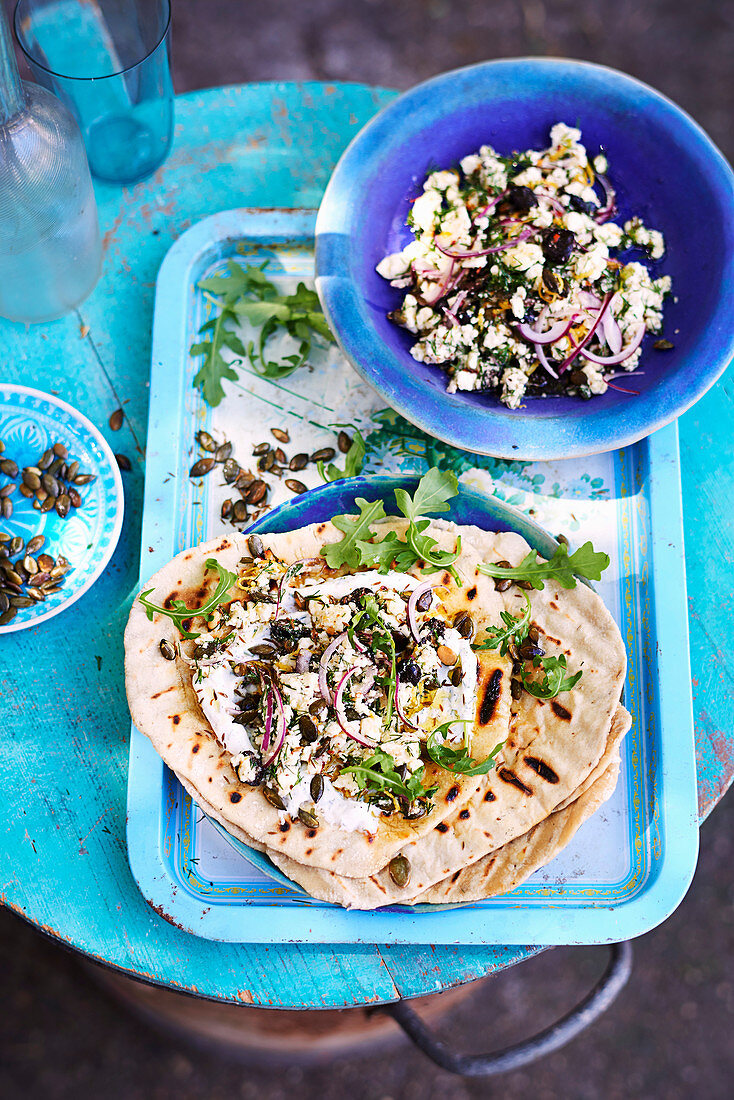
x=63, y=761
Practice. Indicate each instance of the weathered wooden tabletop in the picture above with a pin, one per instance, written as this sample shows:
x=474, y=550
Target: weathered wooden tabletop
x=63, y=761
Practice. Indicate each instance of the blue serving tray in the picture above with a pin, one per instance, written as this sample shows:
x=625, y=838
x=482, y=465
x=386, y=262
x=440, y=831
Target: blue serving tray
x=629, y=866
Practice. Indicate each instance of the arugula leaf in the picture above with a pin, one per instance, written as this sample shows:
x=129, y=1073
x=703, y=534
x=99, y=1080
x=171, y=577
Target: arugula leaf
x=359, y=548
x=377, y=773
x=353, y=461
x=554, y=679
x=434, y=489
x=457, y=760
x=356, y=529
x=562, y=567
x=383, y=642
x=247, y=293
x=180, y=612
x=513, y=631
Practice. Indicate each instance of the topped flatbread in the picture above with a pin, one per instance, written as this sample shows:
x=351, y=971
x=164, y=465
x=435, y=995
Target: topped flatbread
x=370, y=724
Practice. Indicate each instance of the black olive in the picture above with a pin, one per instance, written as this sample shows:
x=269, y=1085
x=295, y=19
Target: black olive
x=356, y=595
x=575, y=202
x=578, y=377
x=557, y=244
x=409, y=672
x=518, y=200
x=400, y=640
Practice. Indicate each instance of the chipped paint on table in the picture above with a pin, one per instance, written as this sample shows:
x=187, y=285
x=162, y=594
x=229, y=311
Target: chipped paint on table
x=63, y=767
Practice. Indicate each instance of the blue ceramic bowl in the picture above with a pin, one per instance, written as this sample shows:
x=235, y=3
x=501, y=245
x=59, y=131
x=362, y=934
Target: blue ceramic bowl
x=468, y=507
x=664, y=169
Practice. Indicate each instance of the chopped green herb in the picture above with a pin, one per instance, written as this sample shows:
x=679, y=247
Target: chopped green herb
x=562, y=567
x=179, y=612
x=245, y=292
x=514, y=631
x=554, y=679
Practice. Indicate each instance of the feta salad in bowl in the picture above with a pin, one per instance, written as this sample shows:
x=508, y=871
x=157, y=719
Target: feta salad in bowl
x=512, y=281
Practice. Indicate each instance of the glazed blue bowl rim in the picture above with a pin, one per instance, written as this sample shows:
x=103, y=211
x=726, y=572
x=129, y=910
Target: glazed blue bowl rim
x=494, y=429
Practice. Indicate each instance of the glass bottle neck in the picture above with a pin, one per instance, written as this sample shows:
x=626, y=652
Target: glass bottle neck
x=11, y=87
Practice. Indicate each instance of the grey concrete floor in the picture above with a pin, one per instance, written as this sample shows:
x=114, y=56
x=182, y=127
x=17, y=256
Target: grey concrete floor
x=670, y=1033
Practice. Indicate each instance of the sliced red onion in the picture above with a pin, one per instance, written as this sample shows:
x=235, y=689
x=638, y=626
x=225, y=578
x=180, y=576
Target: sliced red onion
x=303, y=660
x=414, y=597
x=623, y=389
x=552, y=201
x=450, y=316
x=543, y=360
x=473, y=253
x=611, y=360
x=326, y=658
x=490, y=205
x=612, y=332
x=279, y=729
x=610, y=198
x=589, y=300
x=577, y=348
x=268, y=721
x=398, y=708
x=551, y=335
x=341, y=717
x=441, y=289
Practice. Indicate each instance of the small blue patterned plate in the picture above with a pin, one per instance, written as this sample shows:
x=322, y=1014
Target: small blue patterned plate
x=30, y=423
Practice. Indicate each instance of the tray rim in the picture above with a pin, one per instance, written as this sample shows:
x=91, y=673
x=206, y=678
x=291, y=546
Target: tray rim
x=667, y=884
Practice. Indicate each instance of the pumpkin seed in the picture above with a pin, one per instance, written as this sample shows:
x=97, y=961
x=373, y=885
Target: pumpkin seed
x=344, y=442
x=39, y=579
x=298, y=462
x=223, y=451
x=456, y=675
x=25, y=491
x=115, y=421
x=84, y=479
x=50, y=485
x=464, y=623
x=5, y=603
x=45, y=561
x=36, y=595
x=8, y=490
x=280, y=456
x=226, y=510
x=324, y=455
x=201, y=467
x=307, y=730
x=60, y=450
x=261, y=449
x=316, y=787
x=295, y=486
x=16, y=545
x=205, y=441
x=8, y=616
x=274, y=798
x=20, y=601
x=281, y=435
x=31, y=478
x=265, y=463
x=71, y=471
x=255, y=492
x=30, y=565
x=263, y=650
x=123, y=462
x=244, y=478
x=63, y=504
x=255, y=545
x=502, y=584
x=8, y=467
x=307, y=818
x=399, y=868
x=34, y=544
x=168, y=651
x=74, y=497
x=240, y=511
x=5, y=537
x=230, y=470
x=6, y=508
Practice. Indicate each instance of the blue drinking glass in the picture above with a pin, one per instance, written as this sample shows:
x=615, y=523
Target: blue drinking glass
x=109, y=61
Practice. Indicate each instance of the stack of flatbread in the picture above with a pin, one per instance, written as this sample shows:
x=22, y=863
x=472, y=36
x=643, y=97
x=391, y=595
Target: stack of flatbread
x=487, y=833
